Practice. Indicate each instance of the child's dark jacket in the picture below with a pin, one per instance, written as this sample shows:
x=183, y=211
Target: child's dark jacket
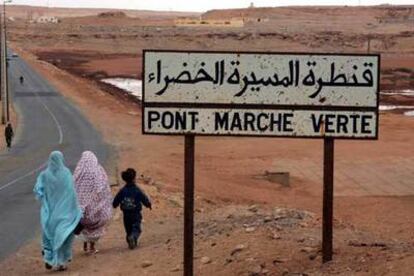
x=131, y=198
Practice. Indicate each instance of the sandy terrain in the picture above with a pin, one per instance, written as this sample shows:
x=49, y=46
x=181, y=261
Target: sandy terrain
x=96, y=46
x=373, y=230
x=94, y=43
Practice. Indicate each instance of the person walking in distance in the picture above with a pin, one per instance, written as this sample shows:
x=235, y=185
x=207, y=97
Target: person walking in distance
x=8, y=133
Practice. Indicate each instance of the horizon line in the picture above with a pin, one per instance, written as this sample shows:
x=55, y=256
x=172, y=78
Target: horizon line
x=184, y=11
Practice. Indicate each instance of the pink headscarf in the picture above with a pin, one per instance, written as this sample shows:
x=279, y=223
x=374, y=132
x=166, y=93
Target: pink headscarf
x=94, y=195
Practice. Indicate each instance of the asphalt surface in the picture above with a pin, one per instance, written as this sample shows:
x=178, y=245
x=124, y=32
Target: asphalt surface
x=47, y=122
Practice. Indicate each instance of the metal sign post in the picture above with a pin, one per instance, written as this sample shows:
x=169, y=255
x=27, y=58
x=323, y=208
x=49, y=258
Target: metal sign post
x=327, y=211
x=188, y=205
x=261, y=94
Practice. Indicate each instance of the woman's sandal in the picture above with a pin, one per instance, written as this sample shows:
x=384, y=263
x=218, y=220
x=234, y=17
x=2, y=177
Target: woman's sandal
x=62, y=268
x=48, y=266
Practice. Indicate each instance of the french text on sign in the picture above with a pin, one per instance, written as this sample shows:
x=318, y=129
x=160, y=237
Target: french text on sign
x=295, y=123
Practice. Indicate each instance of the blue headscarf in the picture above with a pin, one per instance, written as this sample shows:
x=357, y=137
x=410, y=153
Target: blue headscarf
x=60, y=212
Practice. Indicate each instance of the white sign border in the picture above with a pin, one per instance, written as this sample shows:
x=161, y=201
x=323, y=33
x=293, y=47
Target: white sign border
x=264, y=107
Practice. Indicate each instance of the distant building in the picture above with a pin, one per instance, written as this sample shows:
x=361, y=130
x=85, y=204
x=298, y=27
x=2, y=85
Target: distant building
x=47, y=19
x=255, y=19
x=193, y=22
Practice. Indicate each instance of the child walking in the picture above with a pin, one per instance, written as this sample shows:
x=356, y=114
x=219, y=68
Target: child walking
x=131, y=198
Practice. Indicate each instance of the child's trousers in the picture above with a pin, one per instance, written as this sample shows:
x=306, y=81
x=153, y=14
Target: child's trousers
x=132, y=224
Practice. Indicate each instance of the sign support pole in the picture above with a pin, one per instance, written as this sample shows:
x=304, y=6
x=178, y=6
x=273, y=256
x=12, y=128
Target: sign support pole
x=328, y=180
x=188, y=205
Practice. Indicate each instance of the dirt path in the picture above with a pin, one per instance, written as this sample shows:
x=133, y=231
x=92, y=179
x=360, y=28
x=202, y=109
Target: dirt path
x=231, y=240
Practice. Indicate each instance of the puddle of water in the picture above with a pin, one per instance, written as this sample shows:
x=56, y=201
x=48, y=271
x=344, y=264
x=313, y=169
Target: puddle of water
x=406, y=92
x=393, y=107
x=132, y=86
x=409, y=113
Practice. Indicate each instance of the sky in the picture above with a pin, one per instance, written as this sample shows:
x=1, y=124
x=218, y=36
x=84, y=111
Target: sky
x=197, y=5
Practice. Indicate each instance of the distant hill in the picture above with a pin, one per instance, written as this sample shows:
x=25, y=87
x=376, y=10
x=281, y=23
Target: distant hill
x=315, y=11
x=21, y=11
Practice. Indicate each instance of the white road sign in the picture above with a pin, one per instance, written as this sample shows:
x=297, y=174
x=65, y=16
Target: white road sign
x=220, y=93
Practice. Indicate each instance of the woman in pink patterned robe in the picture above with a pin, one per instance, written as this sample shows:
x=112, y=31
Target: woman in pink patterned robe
x=95, y=198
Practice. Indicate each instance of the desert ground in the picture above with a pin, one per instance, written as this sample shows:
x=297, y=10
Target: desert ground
x=245, y=223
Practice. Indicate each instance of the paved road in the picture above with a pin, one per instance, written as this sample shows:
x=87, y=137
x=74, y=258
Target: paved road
x=47, y=121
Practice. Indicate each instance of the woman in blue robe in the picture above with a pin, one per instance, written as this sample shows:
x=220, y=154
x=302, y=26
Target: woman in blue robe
x=60, y=212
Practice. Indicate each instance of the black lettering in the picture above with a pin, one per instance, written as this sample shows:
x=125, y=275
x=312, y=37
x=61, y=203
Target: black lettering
x=287, y=122
x=260, y=125
x=153, y=117
x=236, y=122
x=194, y=120
x=317, y=125
x=167, y=120
x=341, y=125
x=354, y=123
x=329, y=123
x=180, y=120
x=221, y=121
x=274, y=122
x=249, y=121
x=365, y=124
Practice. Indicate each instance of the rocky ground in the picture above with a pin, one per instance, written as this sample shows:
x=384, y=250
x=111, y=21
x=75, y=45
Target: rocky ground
x=230, y=240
